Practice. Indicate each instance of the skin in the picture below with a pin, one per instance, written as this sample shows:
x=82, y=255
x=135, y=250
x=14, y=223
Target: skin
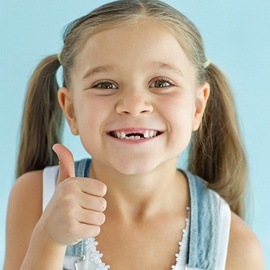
x=131, y=173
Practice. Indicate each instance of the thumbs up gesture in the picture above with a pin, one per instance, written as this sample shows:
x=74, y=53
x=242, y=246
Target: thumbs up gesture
x=76, y=208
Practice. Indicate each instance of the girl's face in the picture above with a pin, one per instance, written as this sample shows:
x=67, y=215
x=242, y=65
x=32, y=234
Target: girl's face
x=134, y=99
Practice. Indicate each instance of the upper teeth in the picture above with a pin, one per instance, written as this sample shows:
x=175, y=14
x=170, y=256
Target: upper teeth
x=147, y=134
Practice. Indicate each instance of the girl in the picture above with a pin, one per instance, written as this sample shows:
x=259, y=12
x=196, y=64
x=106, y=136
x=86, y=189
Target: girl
x=137, y=88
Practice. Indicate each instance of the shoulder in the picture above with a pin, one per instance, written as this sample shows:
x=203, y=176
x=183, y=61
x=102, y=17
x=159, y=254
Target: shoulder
x=27, y=187
x=244, y=250
x=25, y=201
x=24, y=211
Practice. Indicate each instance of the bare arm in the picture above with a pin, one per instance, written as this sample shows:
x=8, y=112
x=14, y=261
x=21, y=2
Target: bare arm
x=24, y=211
x=244, y=251
x=37, y=240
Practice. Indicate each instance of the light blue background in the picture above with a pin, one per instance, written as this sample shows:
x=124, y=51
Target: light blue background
x=237, y=38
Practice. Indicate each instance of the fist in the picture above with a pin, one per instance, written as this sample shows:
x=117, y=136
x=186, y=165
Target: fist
x=76, y=208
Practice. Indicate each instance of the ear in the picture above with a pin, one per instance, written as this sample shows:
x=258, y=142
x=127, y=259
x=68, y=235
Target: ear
x=65, y=102
x=201, y=98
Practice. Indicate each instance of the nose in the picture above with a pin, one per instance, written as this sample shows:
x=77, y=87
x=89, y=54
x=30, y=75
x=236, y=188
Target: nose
x=134, y=104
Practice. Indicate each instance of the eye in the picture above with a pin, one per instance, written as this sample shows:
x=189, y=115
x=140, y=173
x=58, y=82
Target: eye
x=105, y=85
x=161, y=83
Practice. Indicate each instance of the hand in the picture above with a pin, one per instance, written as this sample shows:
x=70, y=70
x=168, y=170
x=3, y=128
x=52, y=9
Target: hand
x=76, y=208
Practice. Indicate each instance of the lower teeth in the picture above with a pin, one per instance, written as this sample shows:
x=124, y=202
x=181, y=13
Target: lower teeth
x=133, y=138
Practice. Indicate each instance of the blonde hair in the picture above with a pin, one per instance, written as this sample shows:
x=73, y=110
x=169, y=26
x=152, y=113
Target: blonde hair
x=216, y=152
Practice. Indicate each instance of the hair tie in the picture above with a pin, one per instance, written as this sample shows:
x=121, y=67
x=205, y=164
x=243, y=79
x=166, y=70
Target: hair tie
x=206, y=64
x=59, y=58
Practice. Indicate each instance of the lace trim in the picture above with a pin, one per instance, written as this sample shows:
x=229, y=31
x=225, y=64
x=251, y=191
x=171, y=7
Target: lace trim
x=94, y=256
x=181, y=256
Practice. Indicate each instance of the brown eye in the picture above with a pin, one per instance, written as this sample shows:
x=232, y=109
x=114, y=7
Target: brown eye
x=106, y=85
x=160, y=84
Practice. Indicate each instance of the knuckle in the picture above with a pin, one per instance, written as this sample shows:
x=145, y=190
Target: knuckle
x=102, y=218
x=94, y=231
x=101, y=188
x=68, y=191
x=68, y=203
x=102, y=204
x=99, y=218
x=67, y=187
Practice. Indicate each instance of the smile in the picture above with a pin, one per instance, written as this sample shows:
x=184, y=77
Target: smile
x=134, y=135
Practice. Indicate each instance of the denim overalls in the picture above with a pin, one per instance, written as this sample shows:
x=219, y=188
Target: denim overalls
x=209, y=221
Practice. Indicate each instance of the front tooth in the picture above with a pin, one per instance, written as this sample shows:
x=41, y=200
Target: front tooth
x=132, y=137
x=151, y=133
x=137, y=137
x=118, y=134
x=146, y=134
x=123, y=134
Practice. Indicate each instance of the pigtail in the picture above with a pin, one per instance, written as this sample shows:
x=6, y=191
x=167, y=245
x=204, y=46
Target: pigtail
x=217, y=153
x=42, y=119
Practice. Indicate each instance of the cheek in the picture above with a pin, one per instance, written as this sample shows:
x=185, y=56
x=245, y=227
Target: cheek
x=88, y=110
x=180, y=116
x=91, y=114
x=180, y=109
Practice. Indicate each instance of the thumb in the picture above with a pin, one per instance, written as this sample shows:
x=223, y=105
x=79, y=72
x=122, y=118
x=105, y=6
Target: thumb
x=66, y=162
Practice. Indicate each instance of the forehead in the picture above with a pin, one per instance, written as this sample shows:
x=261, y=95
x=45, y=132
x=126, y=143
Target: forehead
x=136, y=44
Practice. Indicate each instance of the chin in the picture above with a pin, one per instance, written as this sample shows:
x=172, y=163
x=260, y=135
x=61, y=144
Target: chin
x=134, y=168
x=142, y=166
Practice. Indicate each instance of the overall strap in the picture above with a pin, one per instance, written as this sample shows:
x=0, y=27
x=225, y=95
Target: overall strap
x=209, y=227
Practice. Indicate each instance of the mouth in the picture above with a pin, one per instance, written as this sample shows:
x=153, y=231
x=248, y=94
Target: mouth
x=135, y=135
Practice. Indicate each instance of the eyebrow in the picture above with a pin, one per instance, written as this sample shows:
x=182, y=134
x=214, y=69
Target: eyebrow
x=161, y=65
x=98, y=69
x=108, y=68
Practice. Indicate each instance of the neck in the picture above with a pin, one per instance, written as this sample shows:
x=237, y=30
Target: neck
x=141, y=196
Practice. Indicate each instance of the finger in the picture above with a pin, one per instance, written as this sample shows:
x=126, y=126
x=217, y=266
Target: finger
x=66, y=162
x=91, y=217
x=89, y=231
x=92, y=186
x=94, y=203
